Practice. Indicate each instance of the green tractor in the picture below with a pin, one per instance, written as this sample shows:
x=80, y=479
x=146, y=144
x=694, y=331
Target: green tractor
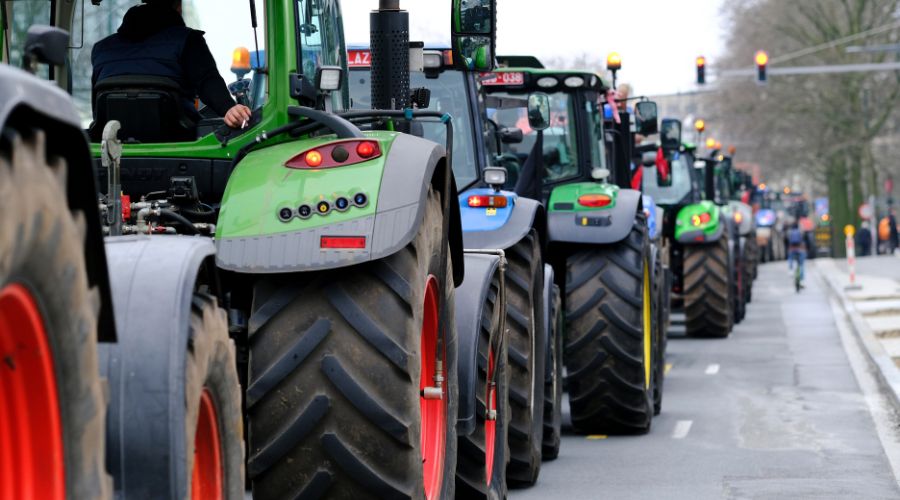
x=295, y=276
x=700, y=233
x=598, y=243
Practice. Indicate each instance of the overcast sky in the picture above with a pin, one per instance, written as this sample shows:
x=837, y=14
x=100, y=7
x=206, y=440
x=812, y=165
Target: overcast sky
x=659, y=40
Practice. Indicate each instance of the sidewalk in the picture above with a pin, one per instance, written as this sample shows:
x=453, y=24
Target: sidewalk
x=873, y=308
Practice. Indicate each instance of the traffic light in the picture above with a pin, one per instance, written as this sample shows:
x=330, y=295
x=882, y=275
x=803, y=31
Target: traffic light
x=762, y=59
x=701, y=70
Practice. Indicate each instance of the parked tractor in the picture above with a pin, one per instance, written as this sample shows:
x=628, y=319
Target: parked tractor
x=700, y=235
x=598, y=241
x=296, y=275
x=492, y=219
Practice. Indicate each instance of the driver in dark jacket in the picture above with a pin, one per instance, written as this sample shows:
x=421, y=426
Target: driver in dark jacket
x=154, y=41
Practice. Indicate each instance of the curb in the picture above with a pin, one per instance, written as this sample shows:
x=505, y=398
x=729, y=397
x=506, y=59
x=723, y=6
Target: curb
x=887, y=373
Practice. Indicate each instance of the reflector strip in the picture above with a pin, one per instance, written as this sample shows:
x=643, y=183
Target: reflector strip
x=345, y=242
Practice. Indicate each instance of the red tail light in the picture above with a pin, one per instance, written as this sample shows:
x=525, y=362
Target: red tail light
x=704, y=217
x=487, y=201
x=343, y=242
x=336, y=154
x=594, y=200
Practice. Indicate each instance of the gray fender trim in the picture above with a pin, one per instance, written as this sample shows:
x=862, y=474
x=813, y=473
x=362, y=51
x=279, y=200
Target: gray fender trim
x=23, y=89
x=400, y=209
x=689, y=237
x=153, y=280
x=470, y=299
x=523, y=217
x=548, y=320
x=562, y=227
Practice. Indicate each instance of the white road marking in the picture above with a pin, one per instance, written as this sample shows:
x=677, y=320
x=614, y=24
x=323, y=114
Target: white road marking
x=879, y=406
x=682, y=428
x=712, y=369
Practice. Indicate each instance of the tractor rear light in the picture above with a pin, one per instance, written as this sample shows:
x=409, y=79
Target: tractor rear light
x=342, y=242
x=487, y=201
x=366, y=149
x=314, y=158
x=705, y=217
x=594, y=200
x=336, y=154
x=738, y=217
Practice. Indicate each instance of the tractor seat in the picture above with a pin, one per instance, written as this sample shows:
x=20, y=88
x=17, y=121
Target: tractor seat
x=151, y=109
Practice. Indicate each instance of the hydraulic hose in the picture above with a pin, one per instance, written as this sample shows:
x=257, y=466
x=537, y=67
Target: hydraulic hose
x=176, y=217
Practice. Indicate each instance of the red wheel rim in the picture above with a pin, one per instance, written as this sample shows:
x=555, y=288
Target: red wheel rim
x=490, y=426
x=206, y=479
x=32, y=463
x=434, y=411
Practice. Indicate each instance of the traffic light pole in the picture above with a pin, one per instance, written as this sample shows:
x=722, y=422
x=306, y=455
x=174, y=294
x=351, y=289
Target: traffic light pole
x=812, y=70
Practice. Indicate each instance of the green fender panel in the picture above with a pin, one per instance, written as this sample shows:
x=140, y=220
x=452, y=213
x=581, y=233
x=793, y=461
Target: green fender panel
x=252, y=238
x=689, y=225
x=570, y=222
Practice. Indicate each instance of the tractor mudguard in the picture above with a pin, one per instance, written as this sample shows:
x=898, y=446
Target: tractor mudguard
x=31, y=103
x=153, y=280
x=525, y=215
x=691, y=228
x=610, y=225
x=252, y=238
x=744, y=212
x=547, y=298
x=470, y=299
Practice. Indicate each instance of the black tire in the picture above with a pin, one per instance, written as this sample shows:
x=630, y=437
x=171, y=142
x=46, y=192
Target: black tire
x=605, y=359
x=524, y=279
x=661, y=297
x=42, y=250
x=709, y=311
x=739, y=292
x=333, y=404
x=553, y=385
x=471, y=480
x=212, y=368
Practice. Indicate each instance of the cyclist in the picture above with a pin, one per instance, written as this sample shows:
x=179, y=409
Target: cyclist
x=796, y=250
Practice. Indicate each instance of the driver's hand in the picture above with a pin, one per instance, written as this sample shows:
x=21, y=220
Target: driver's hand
x=237, y=115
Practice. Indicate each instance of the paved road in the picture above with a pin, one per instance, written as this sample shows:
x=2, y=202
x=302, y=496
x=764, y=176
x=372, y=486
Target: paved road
x=774, y=411
x=883, y=266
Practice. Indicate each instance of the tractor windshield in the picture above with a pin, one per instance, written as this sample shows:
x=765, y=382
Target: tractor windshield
x=675, y=192
x=560, y=157
x=226, y=24
x=448, y=95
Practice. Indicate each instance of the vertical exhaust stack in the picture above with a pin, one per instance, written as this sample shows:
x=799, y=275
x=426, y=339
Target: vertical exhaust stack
x=389, y=42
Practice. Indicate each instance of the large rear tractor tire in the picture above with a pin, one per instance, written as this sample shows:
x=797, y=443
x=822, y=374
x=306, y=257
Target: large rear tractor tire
x=340, y=361
x=52, y=404
x=609, y=350
x=553, y=385
x=709, y=311
x=213, y=418
x=524, y=279
x=662, y=301
x=484, y=454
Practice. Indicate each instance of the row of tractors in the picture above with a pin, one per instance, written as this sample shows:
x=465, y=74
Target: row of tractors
x=378, y=288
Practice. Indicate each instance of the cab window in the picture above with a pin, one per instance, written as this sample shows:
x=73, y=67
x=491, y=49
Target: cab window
x=320, y=33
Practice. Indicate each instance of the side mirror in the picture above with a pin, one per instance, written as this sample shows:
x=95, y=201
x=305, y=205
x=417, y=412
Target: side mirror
x=46, y=45
x=474, y=34
x=539, y=111
x=645, y=118
x=670, y=134
x=511, y=135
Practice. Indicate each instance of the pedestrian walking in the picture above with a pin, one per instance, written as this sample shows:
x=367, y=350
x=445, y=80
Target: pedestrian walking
x=864, y=240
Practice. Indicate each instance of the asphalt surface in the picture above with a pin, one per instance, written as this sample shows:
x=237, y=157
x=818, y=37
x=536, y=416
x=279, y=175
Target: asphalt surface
x=774, y=411
x=883, y=266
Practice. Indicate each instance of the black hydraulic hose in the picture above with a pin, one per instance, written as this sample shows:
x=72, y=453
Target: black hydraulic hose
x=176, y=217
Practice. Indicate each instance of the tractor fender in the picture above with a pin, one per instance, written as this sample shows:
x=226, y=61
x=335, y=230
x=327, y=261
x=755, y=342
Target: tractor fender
x=411, y=166
x=606, y=226
x=29, y=103
x=547, y=298
x=470, y=299
x=153, y=282
x=721, y=218
x=526, y=214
